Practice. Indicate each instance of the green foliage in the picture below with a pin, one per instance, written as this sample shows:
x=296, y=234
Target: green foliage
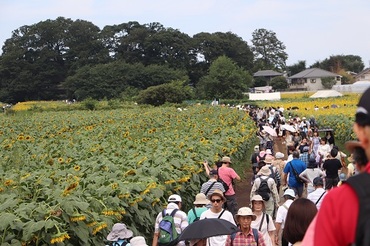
x=328, y=82
x=90, y=104
x=260, y=81
x=174, y=92
x=279, y=82
x=336, y=63
x=269, y=50
x=225, y=80
x=296, y=68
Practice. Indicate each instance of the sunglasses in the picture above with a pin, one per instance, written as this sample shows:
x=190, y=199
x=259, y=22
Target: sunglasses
x=216, y=200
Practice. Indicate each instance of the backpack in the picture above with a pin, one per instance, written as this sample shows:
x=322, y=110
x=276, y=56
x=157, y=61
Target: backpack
x=167, y=230
x=226, y=186
x=273, y=175
x=255, y=235
x=117, y=243
x=360, y=184
x=264, y=190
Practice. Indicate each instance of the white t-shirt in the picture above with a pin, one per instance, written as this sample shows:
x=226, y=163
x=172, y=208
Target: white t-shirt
x=264, y=229
x=311, y=174
x=314, y=196
x=217, y=240
x=282, y=212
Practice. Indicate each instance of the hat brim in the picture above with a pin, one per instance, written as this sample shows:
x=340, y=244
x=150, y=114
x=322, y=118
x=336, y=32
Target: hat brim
x=254, y=217
x=351, y=145
x=114, y=236
x=217, y=194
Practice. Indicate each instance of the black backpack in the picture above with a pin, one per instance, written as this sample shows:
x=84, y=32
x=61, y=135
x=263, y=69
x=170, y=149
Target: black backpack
x=361, y=183
x=226, y=186
x=264, y=190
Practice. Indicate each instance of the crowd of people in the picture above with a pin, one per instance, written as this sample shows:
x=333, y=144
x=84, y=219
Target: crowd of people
x=300, y=193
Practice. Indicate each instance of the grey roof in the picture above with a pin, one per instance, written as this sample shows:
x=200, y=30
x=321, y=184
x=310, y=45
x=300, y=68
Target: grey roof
x=313, y=73
x=267, y=73
x=365, y=71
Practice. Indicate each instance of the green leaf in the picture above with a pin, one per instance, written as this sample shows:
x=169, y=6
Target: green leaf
x=31, y=227
x=6, y=220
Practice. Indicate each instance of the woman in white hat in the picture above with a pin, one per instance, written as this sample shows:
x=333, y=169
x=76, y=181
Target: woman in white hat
x=263, y=221
x=199, y=207
x=119, y=234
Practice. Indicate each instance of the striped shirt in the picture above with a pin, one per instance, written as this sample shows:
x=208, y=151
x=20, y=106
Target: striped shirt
x=207, y=184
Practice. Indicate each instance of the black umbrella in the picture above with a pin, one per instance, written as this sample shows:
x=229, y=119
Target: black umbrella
x=208, y=228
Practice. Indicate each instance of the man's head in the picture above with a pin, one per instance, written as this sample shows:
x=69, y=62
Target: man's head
x=289, y=194
x=318, y=182
x=362, y=122
x=333, y=152
x=213, y=173
x=295, y=154
x=226, y=160
x=217, y=200
x=244, y=217
x=175, y=199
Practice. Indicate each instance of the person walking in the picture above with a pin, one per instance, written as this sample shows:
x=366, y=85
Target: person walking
x=180, y=218
x=294, y=168
x=282, y=211
x=199, y=207
x=331, y=166
x=343, y=228
x=310, y=173
x=263, y=222
x=247, y=235
x=265, y=186
x=212, y=184
x=228, y=175
x=317, y=196
x=216, y=211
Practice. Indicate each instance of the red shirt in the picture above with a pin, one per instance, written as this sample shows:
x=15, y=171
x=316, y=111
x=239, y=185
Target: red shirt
x=227, y=174
x=336, y=219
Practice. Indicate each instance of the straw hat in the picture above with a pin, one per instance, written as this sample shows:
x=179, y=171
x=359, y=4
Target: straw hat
x=201, y=199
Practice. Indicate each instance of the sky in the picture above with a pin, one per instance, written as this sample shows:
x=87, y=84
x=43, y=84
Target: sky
x=311, y=30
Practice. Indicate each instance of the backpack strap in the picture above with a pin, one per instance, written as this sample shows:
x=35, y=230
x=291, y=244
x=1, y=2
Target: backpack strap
x=320, y=198
x=361, y=183
x=174, y=212
x=263, y=218
x=210, y=187
x=195, y=213
x=255, y=234
x=221, y=214
x=267, y=220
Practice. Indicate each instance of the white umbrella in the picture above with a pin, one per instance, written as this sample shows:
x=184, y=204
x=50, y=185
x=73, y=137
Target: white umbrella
x=289, y=128
x=270, y=130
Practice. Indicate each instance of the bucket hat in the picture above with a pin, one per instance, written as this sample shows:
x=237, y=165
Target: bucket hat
x=138, y=241
x=201, y=199
x=119, y=231
x=289, y=192
x=226, y=159
x=219, y=193
x=257, y=198
x=279, y=155
x=264, y=171
x=245, y=211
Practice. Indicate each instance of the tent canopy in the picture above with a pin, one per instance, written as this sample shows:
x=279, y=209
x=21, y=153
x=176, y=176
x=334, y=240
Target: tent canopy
x=326, y=93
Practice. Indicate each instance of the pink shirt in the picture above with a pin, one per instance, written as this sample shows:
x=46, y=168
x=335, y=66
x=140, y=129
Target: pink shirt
x=227, y=174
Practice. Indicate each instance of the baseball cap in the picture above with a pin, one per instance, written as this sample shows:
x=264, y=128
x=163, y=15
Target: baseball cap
x=289, y=192
x=363, y=109
x=174, y=198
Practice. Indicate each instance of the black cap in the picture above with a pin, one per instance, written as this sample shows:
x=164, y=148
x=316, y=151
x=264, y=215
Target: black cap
x=213, y=172
x=363, y=109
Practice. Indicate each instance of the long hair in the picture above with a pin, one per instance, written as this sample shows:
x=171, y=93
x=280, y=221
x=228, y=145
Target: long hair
x=300, y=214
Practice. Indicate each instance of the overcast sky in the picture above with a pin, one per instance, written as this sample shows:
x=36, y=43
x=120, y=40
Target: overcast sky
x=311, y=30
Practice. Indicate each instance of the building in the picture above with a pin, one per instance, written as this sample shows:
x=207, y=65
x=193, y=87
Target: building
x=310, y=79
x=363, y=75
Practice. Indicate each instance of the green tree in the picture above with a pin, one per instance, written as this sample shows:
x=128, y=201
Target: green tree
x=296, y=68
x=269, y=50
x=224, y=80
x=336, y=63
x=174, y=92
x=328, y=82
x=279, y=83
x=117, y=78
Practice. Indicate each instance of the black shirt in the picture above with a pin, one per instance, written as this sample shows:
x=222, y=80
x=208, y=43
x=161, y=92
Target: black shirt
x=332, y=166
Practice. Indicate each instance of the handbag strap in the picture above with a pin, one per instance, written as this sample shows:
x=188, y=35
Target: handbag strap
x=210, y=187
x=294, y=171
x=320, y=198
x=263, y=218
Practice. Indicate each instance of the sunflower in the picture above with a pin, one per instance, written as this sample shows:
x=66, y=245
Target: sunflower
x=77, y=217
x=100, y=227
x=60, y=237
x=77, y=168
x=60, y=160
x=21, y=137
x=8, y=182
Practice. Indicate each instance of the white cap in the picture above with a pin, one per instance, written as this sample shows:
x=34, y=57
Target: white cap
x=289, y=192
x=174, y=198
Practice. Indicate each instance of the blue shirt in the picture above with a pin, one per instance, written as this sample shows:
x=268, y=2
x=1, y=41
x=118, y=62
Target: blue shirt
x=299, y=166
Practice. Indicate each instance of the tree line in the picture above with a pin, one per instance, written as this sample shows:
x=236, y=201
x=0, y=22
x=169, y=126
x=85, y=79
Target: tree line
x=66, y=59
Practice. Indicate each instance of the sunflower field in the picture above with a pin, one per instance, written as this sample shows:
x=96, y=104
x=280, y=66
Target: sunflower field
x=67, y=177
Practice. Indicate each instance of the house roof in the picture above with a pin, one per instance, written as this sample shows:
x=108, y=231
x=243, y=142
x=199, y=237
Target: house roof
x=267, y=73
x=365, y=71
x=313, y=73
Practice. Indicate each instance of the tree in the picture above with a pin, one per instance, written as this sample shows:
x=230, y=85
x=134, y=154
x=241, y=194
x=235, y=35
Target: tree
x=224, y=80
x=296, y=68
x=328, y=82
x=174, y=92
x=269, y=50
x=209, y=47
x=279, y=83
x=336, y=63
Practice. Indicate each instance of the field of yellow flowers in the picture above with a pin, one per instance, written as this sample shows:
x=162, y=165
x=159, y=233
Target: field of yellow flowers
x=67, y=177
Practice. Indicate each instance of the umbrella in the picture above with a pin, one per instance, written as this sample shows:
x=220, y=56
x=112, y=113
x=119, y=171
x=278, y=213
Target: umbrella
x=289, y=128
x=270, y=130
x=208, y=228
